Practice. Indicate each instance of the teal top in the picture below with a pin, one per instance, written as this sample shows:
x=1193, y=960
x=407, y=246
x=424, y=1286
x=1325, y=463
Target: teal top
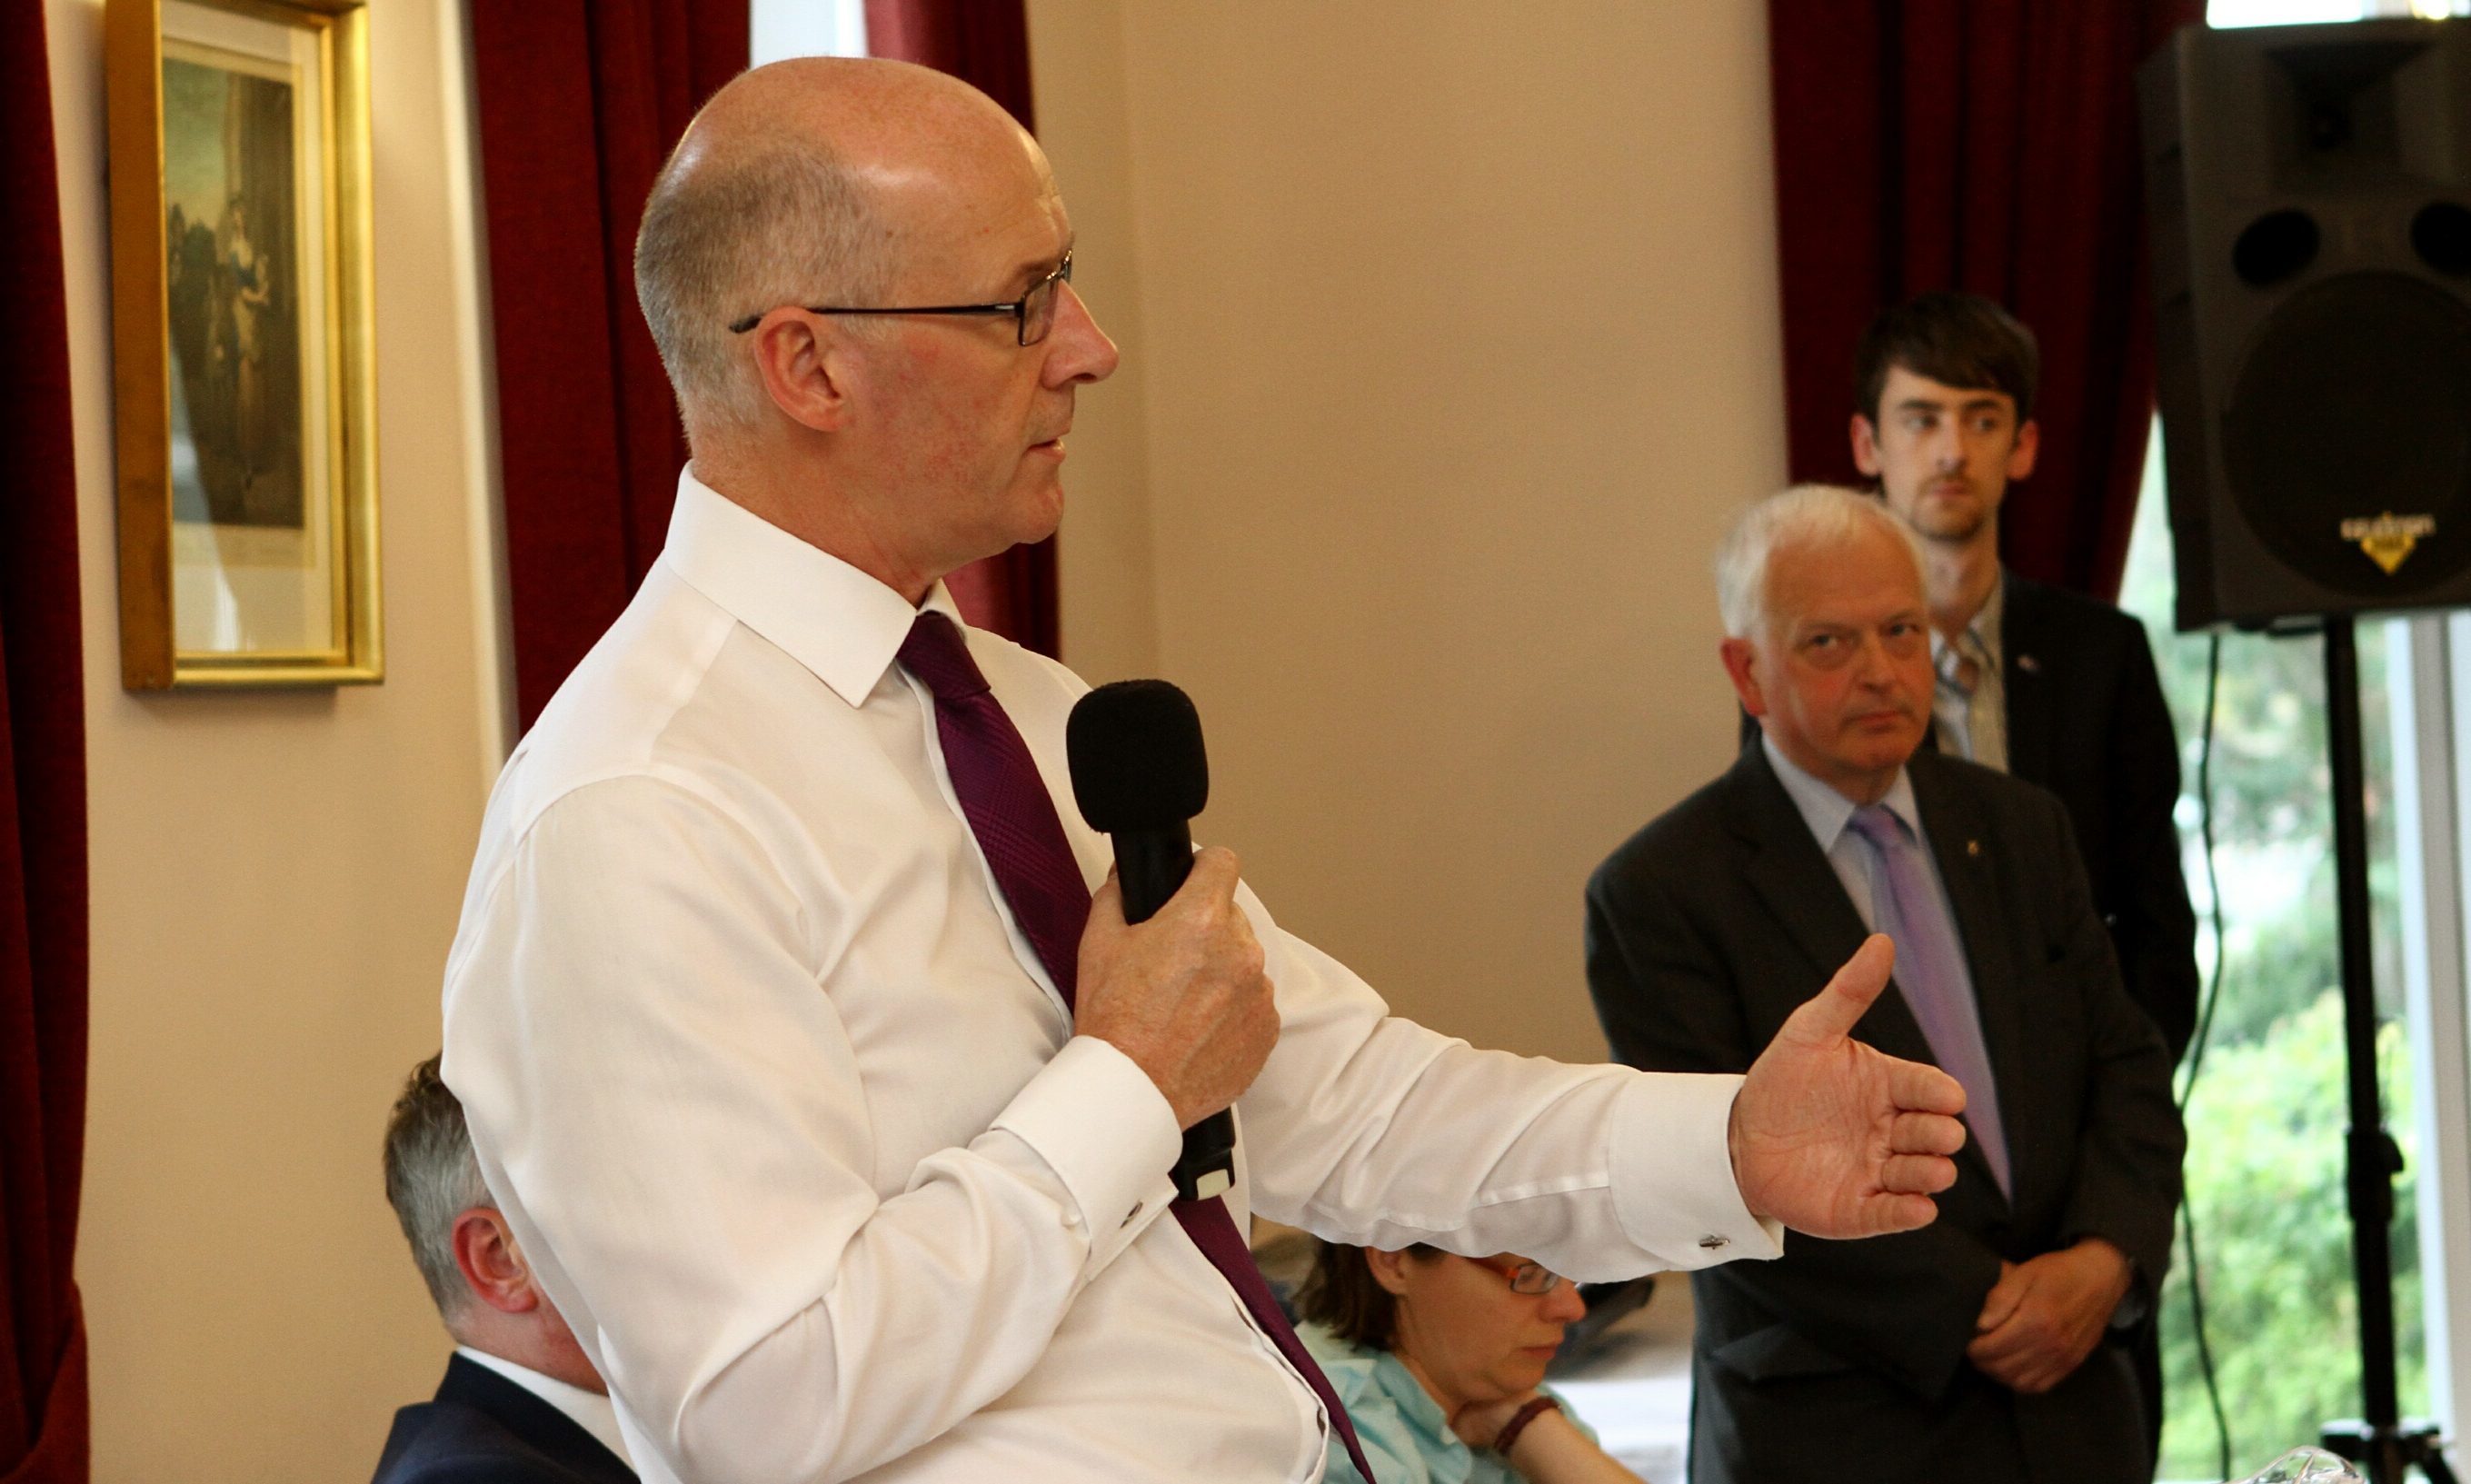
x=1404, y=1435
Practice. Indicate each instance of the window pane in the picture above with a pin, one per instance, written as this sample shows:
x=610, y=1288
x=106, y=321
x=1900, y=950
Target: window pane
x=2282, y=13
x=778, y=29
x=2265, y=1123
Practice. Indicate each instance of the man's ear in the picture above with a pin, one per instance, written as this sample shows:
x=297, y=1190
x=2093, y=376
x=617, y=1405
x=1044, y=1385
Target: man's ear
x=1741, y=667
x=2028, y=447
x=805, y=368
x=493, y=1267
x=1866, y=445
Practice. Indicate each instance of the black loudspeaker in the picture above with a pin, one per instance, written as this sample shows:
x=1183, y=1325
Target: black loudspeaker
x=2310, y=189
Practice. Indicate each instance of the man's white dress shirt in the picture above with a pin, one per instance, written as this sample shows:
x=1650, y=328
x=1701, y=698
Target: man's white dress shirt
x=588, y=1411
x=796, y=1130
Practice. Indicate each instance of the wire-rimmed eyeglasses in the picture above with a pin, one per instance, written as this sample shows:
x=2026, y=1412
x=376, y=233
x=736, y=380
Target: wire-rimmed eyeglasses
x=1033, y=313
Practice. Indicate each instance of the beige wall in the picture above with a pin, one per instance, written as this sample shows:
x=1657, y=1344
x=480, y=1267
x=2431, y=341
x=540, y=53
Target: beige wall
x=1451, y=342
x=1110, y=599
x=276, y=877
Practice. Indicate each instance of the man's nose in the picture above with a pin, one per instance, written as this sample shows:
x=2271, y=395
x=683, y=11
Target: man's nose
x=1078, y=350
x=1947, y=446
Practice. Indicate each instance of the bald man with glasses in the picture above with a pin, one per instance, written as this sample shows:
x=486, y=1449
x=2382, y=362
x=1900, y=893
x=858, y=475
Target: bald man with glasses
x=793, y=1010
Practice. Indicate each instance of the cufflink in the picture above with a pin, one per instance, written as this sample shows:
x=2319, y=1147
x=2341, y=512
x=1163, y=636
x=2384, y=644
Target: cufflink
x=1711, y=1241
x=1973, y=847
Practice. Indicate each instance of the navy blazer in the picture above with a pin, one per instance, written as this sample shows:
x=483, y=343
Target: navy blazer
x=482, y=1429
x=1846, y=1359
x=2086, y=721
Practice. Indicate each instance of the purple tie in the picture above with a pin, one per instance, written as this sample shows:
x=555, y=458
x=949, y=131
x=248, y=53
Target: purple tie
x=1931, y=973
x=1014, y=818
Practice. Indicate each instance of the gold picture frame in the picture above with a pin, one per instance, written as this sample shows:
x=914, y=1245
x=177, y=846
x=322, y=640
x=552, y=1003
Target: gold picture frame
x=244, y=371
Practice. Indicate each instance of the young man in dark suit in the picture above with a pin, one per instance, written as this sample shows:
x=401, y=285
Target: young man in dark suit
x=2052, y=686
x=519, y=1405
x=1986, y=1345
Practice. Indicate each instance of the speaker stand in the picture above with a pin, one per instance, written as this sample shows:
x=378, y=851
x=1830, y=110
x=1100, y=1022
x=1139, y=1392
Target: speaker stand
x=2379, y=1439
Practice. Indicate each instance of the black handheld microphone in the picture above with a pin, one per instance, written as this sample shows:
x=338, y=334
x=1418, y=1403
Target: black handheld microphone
x=1140, y=775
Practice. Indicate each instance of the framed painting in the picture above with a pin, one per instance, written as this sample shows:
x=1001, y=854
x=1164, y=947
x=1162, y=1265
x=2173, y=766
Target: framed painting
x=242, y=367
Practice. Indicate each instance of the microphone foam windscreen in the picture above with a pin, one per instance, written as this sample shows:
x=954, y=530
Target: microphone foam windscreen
x=1135, y=751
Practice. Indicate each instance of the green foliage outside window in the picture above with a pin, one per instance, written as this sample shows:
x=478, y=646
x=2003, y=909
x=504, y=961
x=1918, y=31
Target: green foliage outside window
x=2268, y=1197
x=2267, y=1119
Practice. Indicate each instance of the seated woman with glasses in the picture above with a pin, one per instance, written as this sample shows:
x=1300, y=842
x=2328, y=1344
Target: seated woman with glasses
x=1440, y=1362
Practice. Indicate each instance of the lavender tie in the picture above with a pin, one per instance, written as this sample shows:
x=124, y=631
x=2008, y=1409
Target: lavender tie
x=1930, y=974
x=1014, y=818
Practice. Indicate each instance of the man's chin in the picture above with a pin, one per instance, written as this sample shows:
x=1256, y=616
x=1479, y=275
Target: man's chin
x=1950, y=518
x=1886, y=745
x=1038, y=513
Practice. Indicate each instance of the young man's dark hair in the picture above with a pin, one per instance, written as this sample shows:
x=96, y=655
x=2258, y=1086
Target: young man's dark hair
x=1957, y=340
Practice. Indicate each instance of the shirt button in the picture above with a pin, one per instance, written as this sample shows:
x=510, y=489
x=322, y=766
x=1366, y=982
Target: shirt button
x=1711, y=1241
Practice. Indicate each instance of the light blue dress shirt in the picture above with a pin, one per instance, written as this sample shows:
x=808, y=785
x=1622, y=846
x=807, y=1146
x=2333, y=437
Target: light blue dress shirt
x=1829, y=814
x=1857, y=863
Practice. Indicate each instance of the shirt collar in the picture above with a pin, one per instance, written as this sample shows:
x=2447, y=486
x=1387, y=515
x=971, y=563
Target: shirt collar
x=1985, y=629
x=588, y=1411
x=838, y=622
x=1827, y=812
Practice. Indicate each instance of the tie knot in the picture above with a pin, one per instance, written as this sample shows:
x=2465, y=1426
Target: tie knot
x=1960, y=664
x=1879, y=825
x=936, y=653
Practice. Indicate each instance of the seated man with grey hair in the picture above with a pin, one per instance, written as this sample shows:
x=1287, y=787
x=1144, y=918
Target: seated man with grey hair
x=1985, y=1346
x=519, y=1405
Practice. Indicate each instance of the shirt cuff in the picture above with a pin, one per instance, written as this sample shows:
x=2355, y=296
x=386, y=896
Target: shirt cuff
x=1673, y=1172
x=1109, y=1135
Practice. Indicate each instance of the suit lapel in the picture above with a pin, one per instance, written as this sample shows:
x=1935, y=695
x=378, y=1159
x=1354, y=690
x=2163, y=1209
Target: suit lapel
x=538, y=1424
x=2022, y=676
x=1803, y=892
x=1961, y=844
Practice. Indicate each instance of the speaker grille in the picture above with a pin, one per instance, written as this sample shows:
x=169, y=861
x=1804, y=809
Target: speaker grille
x=2356, y=404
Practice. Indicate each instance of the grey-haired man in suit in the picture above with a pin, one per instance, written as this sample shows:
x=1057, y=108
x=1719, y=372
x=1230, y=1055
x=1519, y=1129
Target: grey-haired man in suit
x=1987, y=1345
x=519, y=1403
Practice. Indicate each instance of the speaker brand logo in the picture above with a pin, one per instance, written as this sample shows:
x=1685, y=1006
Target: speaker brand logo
x=2388, y=538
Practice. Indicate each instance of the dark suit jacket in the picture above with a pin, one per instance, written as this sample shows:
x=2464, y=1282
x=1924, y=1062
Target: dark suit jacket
x=1846, y=1360
x=2086, y=721
x=483, y=1428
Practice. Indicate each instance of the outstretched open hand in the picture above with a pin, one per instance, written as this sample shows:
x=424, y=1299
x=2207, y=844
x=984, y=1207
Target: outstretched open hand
x=1837, y=1138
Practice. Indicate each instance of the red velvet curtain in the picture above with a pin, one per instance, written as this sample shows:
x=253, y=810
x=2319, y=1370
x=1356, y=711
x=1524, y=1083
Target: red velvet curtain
x=579, y=103
x=43, y=1434
x=985, y=43
x=1990, y=146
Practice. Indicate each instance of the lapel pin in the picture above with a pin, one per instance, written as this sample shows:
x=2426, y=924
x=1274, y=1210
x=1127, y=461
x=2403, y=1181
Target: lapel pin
x=2029, y=664
x=1973, y=847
